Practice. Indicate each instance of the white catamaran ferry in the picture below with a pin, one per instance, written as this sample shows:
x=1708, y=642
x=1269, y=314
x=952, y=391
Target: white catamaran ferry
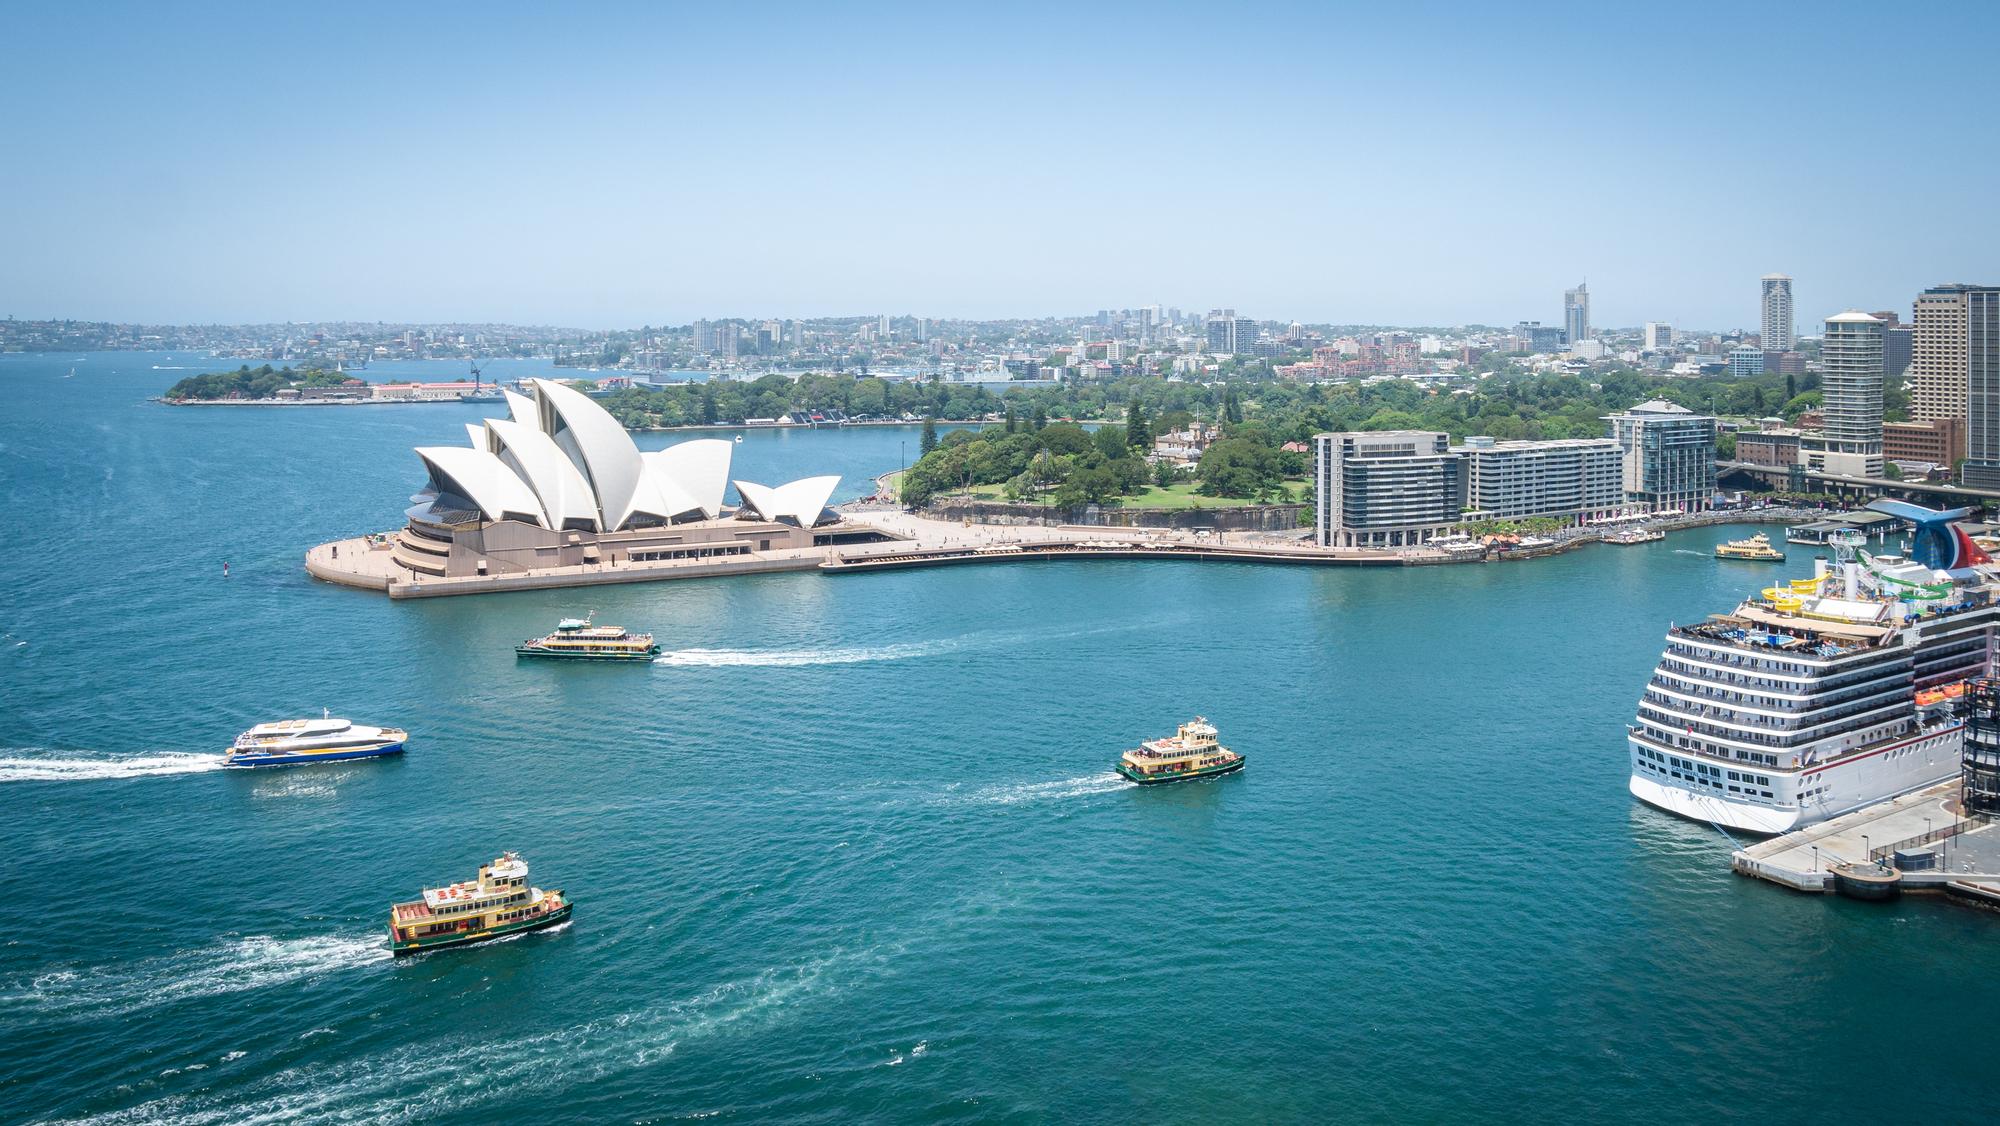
x=1824, y=694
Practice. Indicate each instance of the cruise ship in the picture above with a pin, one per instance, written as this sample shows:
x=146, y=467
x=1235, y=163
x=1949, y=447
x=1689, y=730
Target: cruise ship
x=1823, y=694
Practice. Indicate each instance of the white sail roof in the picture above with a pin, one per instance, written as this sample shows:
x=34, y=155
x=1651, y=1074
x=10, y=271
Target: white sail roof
x=556, y=482
x=561, y=461
x=485, y=480
x=699, y=468
x=799, y=502
x=601, y=448
x=521, y=409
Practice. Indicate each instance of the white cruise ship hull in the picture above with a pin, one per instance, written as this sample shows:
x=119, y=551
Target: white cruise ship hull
x=1669, y=781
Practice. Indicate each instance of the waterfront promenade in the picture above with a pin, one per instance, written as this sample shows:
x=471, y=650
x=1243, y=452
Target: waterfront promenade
x=913, y=539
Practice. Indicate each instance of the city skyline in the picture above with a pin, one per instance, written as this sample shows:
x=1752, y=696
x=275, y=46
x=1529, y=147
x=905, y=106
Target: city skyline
x=623, y=166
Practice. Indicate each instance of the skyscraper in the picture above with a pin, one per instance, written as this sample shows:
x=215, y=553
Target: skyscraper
x=1659, y=336
x=704, y=336
x=1982, y=388
x=1576, y=313
x=1940, y=360
x=1851, y=357
x=1221, y=326
x=1777, y=333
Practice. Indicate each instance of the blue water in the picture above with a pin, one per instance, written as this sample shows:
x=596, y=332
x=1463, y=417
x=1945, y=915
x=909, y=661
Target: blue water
x=852, y=850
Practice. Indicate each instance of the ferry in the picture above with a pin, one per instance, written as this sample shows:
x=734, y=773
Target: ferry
x=1191, y=752
x=497, y=904
x=575, y=639
x=298, y=742
x=1824, y=694
x=1757, y=547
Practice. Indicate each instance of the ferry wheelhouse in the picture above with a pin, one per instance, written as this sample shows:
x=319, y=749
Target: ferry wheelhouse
x=575, y=639
x=499, y=903
x=1191, y=752
x=298, y=742
x=1824, y=695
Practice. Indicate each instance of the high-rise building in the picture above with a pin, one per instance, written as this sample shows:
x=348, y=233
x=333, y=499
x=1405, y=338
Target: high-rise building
x=1982, y=387
x=1571, y=480
x=704, y=337
x=883, y=327
x=1745, y=359
x=1850, y=356
x=1540, y=338
x=1221, y=326
x=1667, y=455
x=1576, y=313
x=1385, y=488
x=1244, y=337
x=1659, y=336
x=1777, y=330
x=1940, y=355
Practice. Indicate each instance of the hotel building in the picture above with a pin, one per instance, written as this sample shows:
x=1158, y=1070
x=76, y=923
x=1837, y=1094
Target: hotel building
x=1385, y=489
x=1572, y=480
x=1667, y=457
x=1850, y=443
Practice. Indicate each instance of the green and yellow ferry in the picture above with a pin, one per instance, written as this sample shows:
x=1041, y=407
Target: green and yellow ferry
x=1191, y=752
x=497, y=904
x=575, y=639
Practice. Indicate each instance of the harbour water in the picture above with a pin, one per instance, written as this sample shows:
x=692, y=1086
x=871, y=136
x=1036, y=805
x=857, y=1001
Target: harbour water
x=852, y=849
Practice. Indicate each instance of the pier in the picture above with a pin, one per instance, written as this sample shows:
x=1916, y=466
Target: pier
x=1916, y=843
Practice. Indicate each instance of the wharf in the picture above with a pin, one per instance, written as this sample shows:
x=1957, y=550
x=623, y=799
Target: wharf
x=1967, y=850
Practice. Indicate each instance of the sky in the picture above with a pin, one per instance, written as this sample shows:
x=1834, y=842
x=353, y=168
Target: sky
x=606, y=165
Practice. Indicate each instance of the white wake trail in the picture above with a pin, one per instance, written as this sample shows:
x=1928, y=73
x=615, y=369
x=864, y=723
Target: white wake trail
x=29, y=766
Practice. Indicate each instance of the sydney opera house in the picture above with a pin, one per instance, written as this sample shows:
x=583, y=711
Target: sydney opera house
x=560, y=483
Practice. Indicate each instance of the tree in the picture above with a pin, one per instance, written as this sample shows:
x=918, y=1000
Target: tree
x=1791, y=387
x=1039, y=418
x=929, y=441
x=1138, y=434
x=1011, y=424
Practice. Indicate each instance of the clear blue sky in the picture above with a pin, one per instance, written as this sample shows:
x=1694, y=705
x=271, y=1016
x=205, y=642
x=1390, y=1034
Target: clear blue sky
x=618, y=165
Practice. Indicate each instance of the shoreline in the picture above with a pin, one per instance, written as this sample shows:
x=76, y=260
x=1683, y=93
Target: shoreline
x=912, y=540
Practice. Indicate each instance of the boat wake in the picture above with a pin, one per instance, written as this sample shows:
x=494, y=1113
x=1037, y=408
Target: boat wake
x=37, y=766
x=235, y=966
x=1018, y=793
x=854, y=655
x=796, y=658
x=1690, y=551
x=449, y=1079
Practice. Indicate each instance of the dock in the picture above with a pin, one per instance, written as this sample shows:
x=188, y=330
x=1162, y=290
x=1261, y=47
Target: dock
x=1919, y=842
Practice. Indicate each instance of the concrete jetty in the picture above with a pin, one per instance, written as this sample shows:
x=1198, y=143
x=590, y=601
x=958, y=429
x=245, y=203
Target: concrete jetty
x=1919, y=842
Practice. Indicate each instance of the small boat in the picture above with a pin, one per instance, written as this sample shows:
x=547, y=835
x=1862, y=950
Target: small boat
x=575, y=639
x=497, y=904
x=299, y=742
x=1757, y=547
x=1191, y=752
x=1631, y=536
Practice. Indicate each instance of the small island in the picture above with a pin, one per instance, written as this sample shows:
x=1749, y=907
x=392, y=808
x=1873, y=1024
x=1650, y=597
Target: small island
x=264, y=384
